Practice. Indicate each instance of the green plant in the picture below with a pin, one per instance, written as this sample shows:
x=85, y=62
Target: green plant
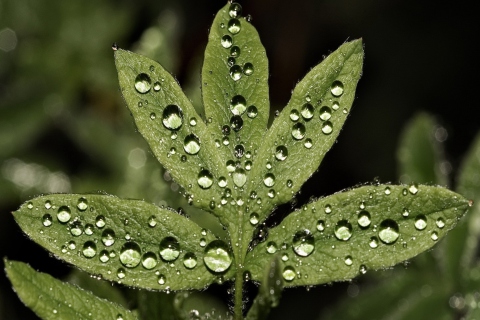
x=233, y=167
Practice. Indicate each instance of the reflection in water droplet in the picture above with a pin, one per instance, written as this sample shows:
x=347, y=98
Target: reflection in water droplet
x=238, y=105
x=389, y=231
x=149, y=260
x=143, y=83
x=63, y=214
x=337, y=88
x=271, y=247
x=89, y=249
x=82, y=204
x=325, y=113
x=217, y=257
x=327, y=127
x=303, y=243
x=248, y=69
x=190, y=260
x=236, y=72
x=235, y=10
x=239, y=177
x=254, y=219
x=169, y=249
x=440, y=223
x=343, y=230
x=234, y=26
x=307, y=111
x=108, y=237
x=420, y=222
x=191, y=144
x=269, y=180
x=364, y=219
x=294, y=115
x=288, y=273
x=47, y=220
x=298, y=131
x=226, y=41
x=172, y=117
x=205, y=179
x=373, y=242
x=130, y=255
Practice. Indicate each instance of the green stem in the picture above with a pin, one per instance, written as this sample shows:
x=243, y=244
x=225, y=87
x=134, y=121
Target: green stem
x=238, y=300
x=237, y=243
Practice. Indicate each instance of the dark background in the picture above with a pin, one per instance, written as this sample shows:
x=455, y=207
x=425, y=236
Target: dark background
x=420, y=55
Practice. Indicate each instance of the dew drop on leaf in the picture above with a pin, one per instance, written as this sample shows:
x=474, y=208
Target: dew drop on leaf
x=76, y=229
x=239, y=151
x=308, y=143
x=327, y=127
x=281, y=153
x=193, y=121
x=89, y=249
x=30, y=205
x=335, y=106
x=328, y=209
x=108, y=237
x=205, y=179
x=169, y=249
x=190, y=260
x=440, y=223
x=63, y=214
x=143, y=83
x=153, y=116
x=236, y=72
x=284, y=257
x=373, y=242
x=307, y=111
x=47, y=220
x=387, y=191
x=149, y=260
x=434, y=236
x=320, y=225
x=298, y=131
x=254, y=218
x=252, y=112
x=236, y=122
x=303, y=243
x=103, y=256
x=238, y=105
x=121, y=273
x=48, y=204
x=234, y=52
x=239, y=177
x=222, y=182
x=337, y=88
x=235, y=10
x=172, y=117
x=420, y=222
x=364, y=219
x=162, y=279
x=405, y=212
x=343, y=230
x=156, y=86
x=325, y=113
x=413, y=189
x=234, y=26
x=271, y=247
x=269, y=180
x=363, y=269
x=289, y=183
x=226, y=41
x=152, y=221
x=191, y=144
x=248, y=69
x=348, y=260
x=288, y=273
x=217, y=257
x=388, y=231
x=294, y=115
x=203, y=242
x=130, y=255
x=82, y=204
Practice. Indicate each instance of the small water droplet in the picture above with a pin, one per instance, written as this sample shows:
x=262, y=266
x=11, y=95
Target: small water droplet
x=320, y=225
x=325, y=113
x=373, y=242
x=193, y=121
x=169, y=249
x=172, y=117
x=420, y=222
x=248, y=165
x=271, y=247
x=226, y=41
x=143, y=83
x=152, y=221
x=434, y=236
x=121, y=273
x=162, y=279
x=248, y=69
x=239, y=151
x=205, y=179
x=48, y=204
x=89, y=249
x=328, y=209
x=440, y=223
x=100, y=221
x=239, y=177
x=191, y=144
x=252, y=112
x=236, y=72
x=72, y=245
x=289, y=183
x=405, y=212
x=307, y=111
x=108, y=237
x=298, y=131
x=149, y=260
x=76, y=228
x=30, y=205
x=222, y=182
x=47, y=220
x=269, y=180
x=230, y=165
x=348, y=260
x=103, y=256
x=253, y=218
x=335, y=105
x=238, y=105
x=236, y=122
x=413, y=188
x=327, y=127
x=388, y=232
x=153, y=116
x=294, y=115
x=343, y=230
x=281, y=153
x=363, y=269
x=364, y=219
x=387, y=191
x=235, y=10
x=303, y=243
x=308, y=143
x=234, y=26
x=203, y=242
x=337, y=88
x=217, y=257
x=82, y=204
x=156, y=86
x=190, y=260
x=288, y=273
x=63, y=214
x=234, y=52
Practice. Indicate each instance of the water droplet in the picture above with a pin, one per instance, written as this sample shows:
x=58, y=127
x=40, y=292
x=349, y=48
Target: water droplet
x=236, y=72
x=143, y=83
x=108, y=237
x=226, y=41
x=307, y=111
x=252, y=112
x=121, y=273
x=225, y=141
x=343, y=230
x=222, y=182
x=248, y=165
x=320, y=225
x=191, y=144
x=152, y=221
x=89, y=249
x=239, y=177
x=156, y=86
x=153, y=116
x=76, y=228
x=172, y=117
x=271, y=247
x=288, y=273
x=230, y=165
x=294, y=115
x=271, y=193
x=226, y=130
x=234, y=52
x=48, y=204
x=308, y=143
x=63, y=214
x=239, y=151
x=130, y=255
x=30, y=205
x=303, y=243
x=169, y=249
x=387, y=191
x=268, y=165
x=236, y=123
x=363, y=269
x=434, y=236
x=82, y=204
x=269, y=180
x=190, y=260
x=47, y=220
x=328, y=209
x=440, y=223
x=235, y=10
x=217, y=257
x=337, y=88
x=72, y=245
x=281, y=153
x=100, y=221
x=162, y=279
x=238, y=105
x=405, y=212
x=325, y=113
x=364, y=219
x=89, y=229
x=205, y=179
x=298, y=131
x=149, y=260
x=373, y=242
x=203, y=242
x=388, y=232
x=234, y=26
x=103, y=256
x=327, y=127
x=248, y=69
x=348, y=260
x=420, y=222
x=413, y=188
x=335, y=105
x=254, y=219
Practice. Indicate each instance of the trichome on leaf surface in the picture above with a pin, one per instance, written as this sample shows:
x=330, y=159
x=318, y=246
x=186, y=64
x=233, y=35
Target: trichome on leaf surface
x=235, y=167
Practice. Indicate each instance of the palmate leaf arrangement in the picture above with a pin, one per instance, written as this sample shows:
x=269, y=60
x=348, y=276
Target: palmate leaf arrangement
x=232, y=166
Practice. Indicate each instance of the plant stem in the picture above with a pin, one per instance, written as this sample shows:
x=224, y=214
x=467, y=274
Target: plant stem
x=238, y=300
x=239, y=253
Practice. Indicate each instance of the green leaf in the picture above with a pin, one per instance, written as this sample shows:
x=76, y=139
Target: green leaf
x=306, y=129
x=419, y=154
x=234, y=83
x=50, y=298
x=128, y=241
x=155, y=305
x=270, y=291
x=167, y=120
x=345, y=234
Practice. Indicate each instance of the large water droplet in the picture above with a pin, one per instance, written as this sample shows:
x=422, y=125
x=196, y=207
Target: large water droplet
x=169, y=249
x=82, y=204
x=343, y=230
x=63, y=214
x=149, y=260
x=217, y=257
x=307, y=111
x=191, y=144
x=281, y=153
x=236, y=122
x=238, y=105
x=226, y=41
x=288, y=273
x=252, y=112
x=235, y=10
x=269, y=180
x=327, y=127
x=143, y=83
x=108, y=237
x=298, y=131
x=205, y=179
x=248, y=69
x=325, y=113
x=303, y=243
x=364, y=219
x=130, y=255
x=236, y=72
x=337, y=88
x=239, y=151
x=389, y=231
x=89, y=249
x=190, y=260
x=172, y=117
x=234, y=26
x=239, y=177
x=47, y=220
x=420, y=222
